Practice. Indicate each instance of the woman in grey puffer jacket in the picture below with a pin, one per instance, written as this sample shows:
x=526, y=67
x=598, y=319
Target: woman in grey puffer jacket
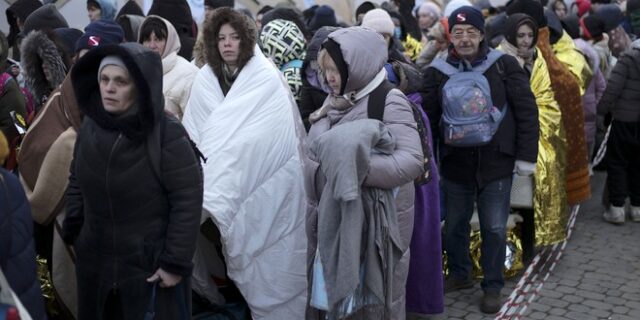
x=352, y=62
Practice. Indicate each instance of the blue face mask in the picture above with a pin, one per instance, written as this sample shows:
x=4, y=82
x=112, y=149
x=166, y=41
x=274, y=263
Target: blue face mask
x=397, y=32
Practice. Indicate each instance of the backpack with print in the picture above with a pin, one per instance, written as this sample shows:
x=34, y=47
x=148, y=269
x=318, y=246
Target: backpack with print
x=469, y=117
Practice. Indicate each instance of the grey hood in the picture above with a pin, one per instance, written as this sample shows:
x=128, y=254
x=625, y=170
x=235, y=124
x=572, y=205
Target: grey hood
x=364, y=52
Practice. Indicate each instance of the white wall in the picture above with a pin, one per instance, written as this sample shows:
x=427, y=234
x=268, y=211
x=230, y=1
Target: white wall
x=75, y=11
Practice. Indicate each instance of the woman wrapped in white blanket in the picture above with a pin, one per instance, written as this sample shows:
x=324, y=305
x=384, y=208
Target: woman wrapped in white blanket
x=243, y=118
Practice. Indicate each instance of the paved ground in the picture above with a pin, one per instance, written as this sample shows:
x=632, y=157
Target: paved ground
x=597, y=277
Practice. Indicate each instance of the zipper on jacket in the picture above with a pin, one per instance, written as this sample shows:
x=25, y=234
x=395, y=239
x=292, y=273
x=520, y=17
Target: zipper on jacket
x=113, y=220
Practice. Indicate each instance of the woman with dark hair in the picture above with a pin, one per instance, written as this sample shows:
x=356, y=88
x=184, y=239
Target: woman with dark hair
x=159, y=35
x=135, y=191
x=244, y=119
x=550, y=198
x=567, y=93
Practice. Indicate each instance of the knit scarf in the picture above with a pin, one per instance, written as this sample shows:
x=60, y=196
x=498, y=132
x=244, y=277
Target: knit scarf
x=228, y=77
x=525, y=57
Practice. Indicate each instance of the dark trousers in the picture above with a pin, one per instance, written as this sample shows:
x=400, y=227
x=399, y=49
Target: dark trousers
x=623, y=163
x=113, y=307
x=493, y=211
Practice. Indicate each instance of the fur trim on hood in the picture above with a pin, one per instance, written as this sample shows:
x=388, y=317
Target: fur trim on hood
x=39, y=50
x=200, y=51
x=246, y=30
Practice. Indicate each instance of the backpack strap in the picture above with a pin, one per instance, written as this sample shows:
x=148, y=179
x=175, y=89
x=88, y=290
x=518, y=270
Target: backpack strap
x=377, y=100
x=444, y=67
x=492, y=57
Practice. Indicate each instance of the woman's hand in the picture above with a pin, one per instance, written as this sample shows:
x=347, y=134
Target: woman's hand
x=167, y=280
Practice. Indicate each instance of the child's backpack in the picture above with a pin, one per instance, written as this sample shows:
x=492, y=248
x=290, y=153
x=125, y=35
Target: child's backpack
x=469, y=117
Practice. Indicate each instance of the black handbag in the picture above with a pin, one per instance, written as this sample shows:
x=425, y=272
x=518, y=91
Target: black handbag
x=182, y=302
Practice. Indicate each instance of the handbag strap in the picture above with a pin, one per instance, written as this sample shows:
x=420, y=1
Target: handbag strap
x=151, y=309
x=182, y=302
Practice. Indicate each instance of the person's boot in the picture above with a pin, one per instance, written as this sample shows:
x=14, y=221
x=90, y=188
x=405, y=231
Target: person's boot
x=635, y=214
x=491, y=302
x=453, y=284
x=614, y=215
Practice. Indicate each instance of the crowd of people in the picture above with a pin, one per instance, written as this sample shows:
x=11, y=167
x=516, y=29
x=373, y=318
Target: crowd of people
x=293, y=165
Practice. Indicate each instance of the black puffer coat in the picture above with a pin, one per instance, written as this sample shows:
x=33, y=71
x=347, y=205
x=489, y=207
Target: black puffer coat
x=623, y=88
x=135, y=192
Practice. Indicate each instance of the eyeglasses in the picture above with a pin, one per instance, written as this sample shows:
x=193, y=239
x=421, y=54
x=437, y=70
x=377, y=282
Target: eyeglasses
x=471, y=34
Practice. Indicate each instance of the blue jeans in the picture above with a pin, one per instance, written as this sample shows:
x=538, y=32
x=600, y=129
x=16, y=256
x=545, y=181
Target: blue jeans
x=493, y=211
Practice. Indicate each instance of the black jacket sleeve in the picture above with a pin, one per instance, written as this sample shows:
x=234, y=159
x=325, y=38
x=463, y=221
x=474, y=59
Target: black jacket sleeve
x=431, y=98
x=522, y=103
x=615, y=85
x=183, y=183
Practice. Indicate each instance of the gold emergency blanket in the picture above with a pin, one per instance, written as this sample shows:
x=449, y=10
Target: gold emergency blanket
x=412, y=48
x=513, y=263
x=513, y=259
x=567, y=52
x=550, y=197
x=566, y=91
x=46, y=286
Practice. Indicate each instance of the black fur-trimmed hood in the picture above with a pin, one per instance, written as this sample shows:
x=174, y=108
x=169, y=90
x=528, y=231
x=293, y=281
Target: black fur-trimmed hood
x=144, y=66
x=37, y=49
x=245, y=28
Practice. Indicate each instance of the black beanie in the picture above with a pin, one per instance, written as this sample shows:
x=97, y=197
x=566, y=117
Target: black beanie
x=592, y=27
x=334, y=51
x=467, y=15
x=571, y=25
x=364, y=8
x=530, y=7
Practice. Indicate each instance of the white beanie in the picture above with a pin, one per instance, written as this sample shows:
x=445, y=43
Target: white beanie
x=380, y=21
x=454, y=5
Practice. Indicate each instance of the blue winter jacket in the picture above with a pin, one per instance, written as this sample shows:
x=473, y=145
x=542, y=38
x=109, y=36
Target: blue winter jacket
x=17, y=248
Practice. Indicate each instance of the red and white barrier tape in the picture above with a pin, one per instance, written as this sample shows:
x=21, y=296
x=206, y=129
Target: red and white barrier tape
x=517, y=303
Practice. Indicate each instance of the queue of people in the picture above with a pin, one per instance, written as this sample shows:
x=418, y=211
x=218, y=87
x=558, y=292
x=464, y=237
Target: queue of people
x=296, y=166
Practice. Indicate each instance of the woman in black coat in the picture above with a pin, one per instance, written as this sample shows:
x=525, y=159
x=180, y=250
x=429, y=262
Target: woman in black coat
x=135, y=190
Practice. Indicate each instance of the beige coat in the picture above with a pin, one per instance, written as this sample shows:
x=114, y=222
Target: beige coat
x=45, y=158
